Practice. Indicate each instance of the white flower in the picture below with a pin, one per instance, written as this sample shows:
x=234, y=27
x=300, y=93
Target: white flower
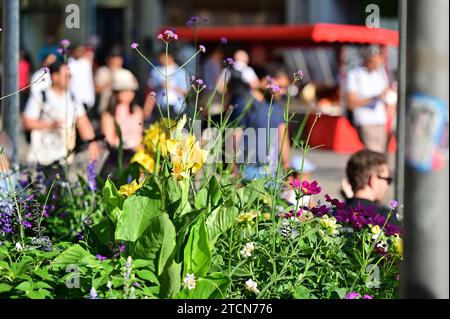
x=383, y=244
x=19, y=247
x=109, y=284
x=189, y=281
x=248, y=249
x=251, y=286
x=93, y=294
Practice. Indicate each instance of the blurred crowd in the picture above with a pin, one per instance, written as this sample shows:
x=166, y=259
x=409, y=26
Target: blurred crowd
x=75, y=104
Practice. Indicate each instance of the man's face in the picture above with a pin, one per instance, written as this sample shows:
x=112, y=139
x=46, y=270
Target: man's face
x=115, y=62
x=62, y=78
x=380, y=184
x=374, y=62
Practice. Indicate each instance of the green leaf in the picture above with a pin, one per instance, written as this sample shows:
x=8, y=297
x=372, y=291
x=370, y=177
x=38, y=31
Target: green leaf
x=251, y=192
x=25, y=286
x=104, y=230
x=41, y=284
x=111, y=197
x=148, y=275
x=219, y=221
x=214, y=193
x=301, y=292
x=157, y=243
x=151, y=291
x=201, y=198
x=138, y=212
x=213, y=286
x=170, y=281
x=73, y=256
x=39, y=294
x=341, y=292
x=197, y=253
x=5, y=287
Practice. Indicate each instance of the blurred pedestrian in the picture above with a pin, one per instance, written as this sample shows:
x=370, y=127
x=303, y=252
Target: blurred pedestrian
x=82, y=79
x=177, y=86
x=52, y=117
x=367, y=86
x=129, y=116
x=104, y=78
x=238, y=82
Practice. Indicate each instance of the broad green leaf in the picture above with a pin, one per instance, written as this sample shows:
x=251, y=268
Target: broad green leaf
x=104, y=230
x=148, y=275
x=25, y=286
x=197, y=253
x=39, y=294
x=41, y=284
x=5, y=287
x=170, y=281
x=73, y=256
x=201, y=198
x=213, y=286
x=111, y=197
x=219, y=221
x=157, y=243
x=138, y=212
x=301, y=292
x=151, y=291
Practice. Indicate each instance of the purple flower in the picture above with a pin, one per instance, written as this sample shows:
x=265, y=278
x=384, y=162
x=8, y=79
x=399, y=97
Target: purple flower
x=311, y=188
x=223, y=40
x=368, y=297
x=134, y=45
x=320, y=210
x=394, y=204
x=298, y=75
x=334, y=202
x=79, y=236
x=353, y=295
x=274, y=89
x=228, y=62
x=91, y=177
x=122, y=248
x=100, y=257
x=167, y=36
x=26, y=224
x=65, y=43
x=46, y=70
x=202, y=48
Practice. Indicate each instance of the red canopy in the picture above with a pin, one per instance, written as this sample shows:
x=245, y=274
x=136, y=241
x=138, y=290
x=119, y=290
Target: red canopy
x=294, y=34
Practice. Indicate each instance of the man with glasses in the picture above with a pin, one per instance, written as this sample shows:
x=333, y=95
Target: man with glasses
x=368, y=174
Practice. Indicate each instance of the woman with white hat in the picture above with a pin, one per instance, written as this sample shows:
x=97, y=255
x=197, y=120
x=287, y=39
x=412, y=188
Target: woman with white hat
x=128, y=115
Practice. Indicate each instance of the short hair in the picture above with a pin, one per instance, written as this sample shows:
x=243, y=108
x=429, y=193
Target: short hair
x=56, y=66
x=361, y=166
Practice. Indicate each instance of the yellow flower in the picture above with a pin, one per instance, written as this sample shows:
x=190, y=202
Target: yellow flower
x=247, y=217
x=330, y=225
x=156, y=135
x=375, y=230
x=186, y=155
x=398, y=243
x=144, y=159
x=130, y=189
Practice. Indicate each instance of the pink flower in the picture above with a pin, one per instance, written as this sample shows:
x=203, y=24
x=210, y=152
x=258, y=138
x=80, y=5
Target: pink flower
x=167, y=36
x=311, y=189
x=296, y=184
x=152, y=94
x=368, y=297
x=134, y=45
x=202, y=48
x=65, y=43
x=353, y=295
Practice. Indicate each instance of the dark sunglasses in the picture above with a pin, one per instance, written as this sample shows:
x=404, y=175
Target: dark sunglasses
x=388, y=180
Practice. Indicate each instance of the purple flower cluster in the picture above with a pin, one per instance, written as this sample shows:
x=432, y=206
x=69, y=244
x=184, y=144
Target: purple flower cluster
x=359, y=217
x=197, y=84
x=357, y=295
x=9, y=220
x=168, y=36
x=228, y=62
